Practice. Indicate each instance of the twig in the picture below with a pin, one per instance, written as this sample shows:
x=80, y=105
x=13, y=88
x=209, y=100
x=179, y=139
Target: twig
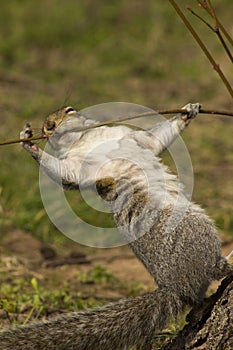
x=203, y=47
x=224, y=44
x=122, y=119
x=209, y=111
x=204, y=5
x=33, y=138
x=212, y=13
x=215, y=30
x=199, y=17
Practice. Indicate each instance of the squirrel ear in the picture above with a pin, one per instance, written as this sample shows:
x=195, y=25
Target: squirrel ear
x=69, y=109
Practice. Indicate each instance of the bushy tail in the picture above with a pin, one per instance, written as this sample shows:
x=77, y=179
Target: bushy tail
x=115, y=326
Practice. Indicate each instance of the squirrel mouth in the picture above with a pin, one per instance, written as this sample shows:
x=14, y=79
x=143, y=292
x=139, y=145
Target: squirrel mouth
x=47, y=133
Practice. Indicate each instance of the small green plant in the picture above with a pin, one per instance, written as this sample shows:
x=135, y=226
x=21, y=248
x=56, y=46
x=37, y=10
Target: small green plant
x=135, y=288
x=37, y=301
x=10, y=307
x=28, y=298
x=97, y=274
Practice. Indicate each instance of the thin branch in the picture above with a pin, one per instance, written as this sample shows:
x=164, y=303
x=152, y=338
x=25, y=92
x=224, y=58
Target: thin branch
x=203, y=47
x=217, y=27
x=215, y=30
x=213, y=13
x=23, y=140
x=204, y=5
x=122, y=119
x=201, y=19
x=225, y=32
x=216, y=112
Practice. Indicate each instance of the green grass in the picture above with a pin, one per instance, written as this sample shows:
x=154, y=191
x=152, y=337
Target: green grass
x=27, y=298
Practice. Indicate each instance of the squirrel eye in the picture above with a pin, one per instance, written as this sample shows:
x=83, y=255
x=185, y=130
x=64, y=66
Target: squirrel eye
x=50, y=125
x=69, y=109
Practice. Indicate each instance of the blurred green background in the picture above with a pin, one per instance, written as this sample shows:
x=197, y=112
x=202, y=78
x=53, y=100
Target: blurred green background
x=80, y=53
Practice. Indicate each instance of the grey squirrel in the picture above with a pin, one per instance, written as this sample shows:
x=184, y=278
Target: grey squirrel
x=174, y=239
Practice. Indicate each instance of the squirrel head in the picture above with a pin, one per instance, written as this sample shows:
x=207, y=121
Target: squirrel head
x=55, y=119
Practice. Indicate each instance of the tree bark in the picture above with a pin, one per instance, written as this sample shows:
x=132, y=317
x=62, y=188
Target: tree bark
x=210, y=326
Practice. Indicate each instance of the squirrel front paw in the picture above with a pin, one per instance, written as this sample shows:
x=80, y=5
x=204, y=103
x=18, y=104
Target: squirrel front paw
x=25, y=134
x=193, y=110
